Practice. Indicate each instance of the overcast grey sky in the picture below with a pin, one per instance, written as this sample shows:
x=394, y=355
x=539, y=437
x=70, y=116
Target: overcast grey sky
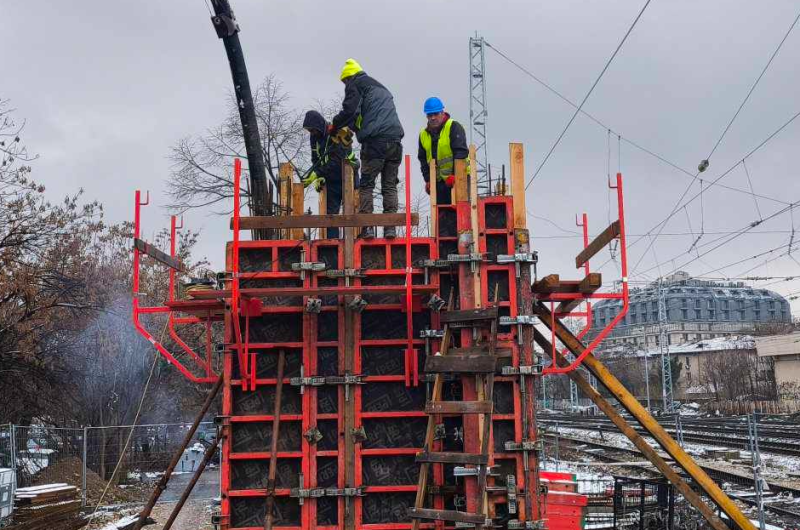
x=107, y=87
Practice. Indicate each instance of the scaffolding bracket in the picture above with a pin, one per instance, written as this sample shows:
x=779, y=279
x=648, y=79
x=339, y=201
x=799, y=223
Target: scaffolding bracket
x=431, y=334
x=525, y=445
x=318, y=380
x=528, y=369
x=313, y=305
x=516, y=524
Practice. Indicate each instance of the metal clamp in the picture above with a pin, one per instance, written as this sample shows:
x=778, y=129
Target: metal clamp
x=473, y=259
x=519, y=321
x=523, y=446
x=313, y=435
x=434, y=264
x=357, y=304
x=516, y=524
x=533, y=369
x=313, y=305
x=315, y=493
x=436, y=303
x=511, y=493
x=431, y=334
x=307, y=266
x=346, y=273
x=518, y=259
x=319, y=380
x=461, y=471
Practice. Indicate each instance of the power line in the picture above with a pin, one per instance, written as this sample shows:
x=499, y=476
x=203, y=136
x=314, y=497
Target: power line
x=620, y=137
x=589, y=93
x=752, y=88
x=678, y=204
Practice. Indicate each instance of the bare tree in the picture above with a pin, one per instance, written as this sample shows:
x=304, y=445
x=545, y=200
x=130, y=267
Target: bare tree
x=202, y=165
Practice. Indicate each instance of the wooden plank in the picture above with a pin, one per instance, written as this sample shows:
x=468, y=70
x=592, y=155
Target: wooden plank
x=326, y=221
x=517, y=156
x=432, y=180
x=605, y=237
x=482, y=349
x=323, y=210
x=162, y=257
x=591, y=283
x=468, y=315
x=473, y=202
x=452, y=458
x=284, y=195
x=349, y=339
x=548, y=284
x=445, y=515
x=297, y=208
x=461, y=188
x=459, y=407
x=467, y=364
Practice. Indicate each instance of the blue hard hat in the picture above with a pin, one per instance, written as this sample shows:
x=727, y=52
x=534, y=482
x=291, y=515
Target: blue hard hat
x=433, y=105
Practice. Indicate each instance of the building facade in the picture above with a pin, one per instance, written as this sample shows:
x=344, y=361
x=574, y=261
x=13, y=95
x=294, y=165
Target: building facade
x=695, y=310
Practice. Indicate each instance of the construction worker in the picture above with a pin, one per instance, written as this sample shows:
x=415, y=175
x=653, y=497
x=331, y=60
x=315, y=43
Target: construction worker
x=368, y=108
x=327, y=154
x=444, y=140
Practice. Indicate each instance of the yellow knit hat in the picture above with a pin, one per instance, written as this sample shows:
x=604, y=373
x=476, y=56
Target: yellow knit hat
x=351, y=68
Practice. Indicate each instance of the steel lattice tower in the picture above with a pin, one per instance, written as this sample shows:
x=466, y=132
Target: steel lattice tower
x=477, y=105
x=663, y=343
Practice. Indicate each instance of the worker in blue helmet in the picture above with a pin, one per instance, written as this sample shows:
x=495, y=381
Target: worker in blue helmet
x=443, y=139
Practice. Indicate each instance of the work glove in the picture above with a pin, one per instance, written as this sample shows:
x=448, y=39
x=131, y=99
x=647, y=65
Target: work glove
x=450, y=181
x=311, y=179
x=319, y=184
x=428, y=187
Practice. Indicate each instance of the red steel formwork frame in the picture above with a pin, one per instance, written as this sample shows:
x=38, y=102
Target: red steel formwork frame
x=241, y=305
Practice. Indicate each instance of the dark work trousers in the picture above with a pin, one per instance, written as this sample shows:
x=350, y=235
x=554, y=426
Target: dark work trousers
x=443, y=193
x=334, y=199
x=379, y=157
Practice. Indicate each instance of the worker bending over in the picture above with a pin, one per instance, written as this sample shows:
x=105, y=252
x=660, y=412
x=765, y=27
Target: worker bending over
x=444, y=140
x=327, y=154
x=368, y=108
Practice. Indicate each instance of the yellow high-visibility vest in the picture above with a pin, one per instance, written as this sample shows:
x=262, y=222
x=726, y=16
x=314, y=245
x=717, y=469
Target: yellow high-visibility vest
x=444, y=153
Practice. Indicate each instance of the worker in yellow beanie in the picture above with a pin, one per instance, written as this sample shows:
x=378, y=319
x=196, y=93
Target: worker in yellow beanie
x=368, y=108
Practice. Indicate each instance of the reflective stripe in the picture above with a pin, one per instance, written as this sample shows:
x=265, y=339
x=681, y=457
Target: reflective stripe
x=444, y=152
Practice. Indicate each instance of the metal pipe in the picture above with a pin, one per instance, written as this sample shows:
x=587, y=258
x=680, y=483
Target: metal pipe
x=273, y=451
x=162, y=484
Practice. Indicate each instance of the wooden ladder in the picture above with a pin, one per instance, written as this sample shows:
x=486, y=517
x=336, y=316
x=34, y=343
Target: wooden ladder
x=477, y=361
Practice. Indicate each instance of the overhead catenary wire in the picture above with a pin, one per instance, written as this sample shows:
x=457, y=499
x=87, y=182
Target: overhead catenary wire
x=589, y=93
x=661, y=224
x=611, y=130
x=752, y=88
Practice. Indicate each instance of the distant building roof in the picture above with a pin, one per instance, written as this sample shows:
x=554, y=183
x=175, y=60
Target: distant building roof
x=778, y=345
x=740, y=342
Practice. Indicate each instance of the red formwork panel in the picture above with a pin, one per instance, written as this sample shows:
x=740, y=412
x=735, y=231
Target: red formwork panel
x=390, y=412
x=389, y=402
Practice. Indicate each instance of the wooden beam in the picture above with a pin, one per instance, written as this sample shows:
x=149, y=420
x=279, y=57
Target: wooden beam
x=638, y=441
x=325, y=221
x=297, y=207
x=323, y=210
x=285, y=194
x=473, y=202
x=599, y=242
x=646, y=420
x=461, y=188
x=333, y=290
x=548, y=284
x=158, y=255
x=517, y=156
x=591, y=283
x=349, y=346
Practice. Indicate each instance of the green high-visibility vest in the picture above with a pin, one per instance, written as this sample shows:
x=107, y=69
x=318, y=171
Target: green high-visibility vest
x=444, y=153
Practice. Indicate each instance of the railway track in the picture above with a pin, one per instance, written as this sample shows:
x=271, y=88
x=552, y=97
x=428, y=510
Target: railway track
x=786, y=510
x=776, y=441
